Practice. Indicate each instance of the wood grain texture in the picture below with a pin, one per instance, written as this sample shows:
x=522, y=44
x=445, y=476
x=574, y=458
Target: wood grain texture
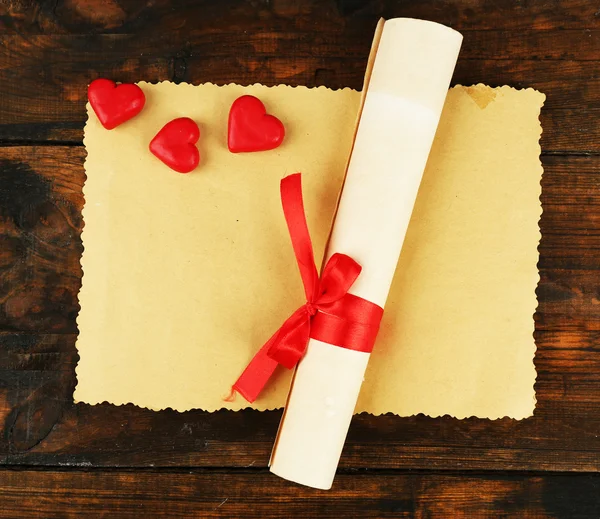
x=40, y=218
x=40, y=248
x=40, y=278
x=256, y=494
x=280, y=42
x=42, y=427
x=101, y=16
x=198, y=464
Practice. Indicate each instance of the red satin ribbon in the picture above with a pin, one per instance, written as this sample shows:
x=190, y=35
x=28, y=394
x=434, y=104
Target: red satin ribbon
x=330, y=314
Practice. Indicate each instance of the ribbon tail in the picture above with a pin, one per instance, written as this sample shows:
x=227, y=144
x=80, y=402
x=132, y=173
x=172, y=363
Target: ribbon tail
x=285, y=347
x=289, y=343
x=256, y=375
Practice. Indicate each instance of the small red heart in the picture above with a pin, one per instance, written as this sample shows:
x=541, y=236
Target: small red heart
x=114, y=104
x=175, y=144
x=251, y=128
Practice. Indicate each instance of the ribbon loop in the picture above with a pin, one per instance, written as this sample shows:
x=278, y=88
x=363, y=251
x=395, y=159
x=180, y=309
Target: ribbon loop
x=329, y=314
x=288, y=344
x=339, y=274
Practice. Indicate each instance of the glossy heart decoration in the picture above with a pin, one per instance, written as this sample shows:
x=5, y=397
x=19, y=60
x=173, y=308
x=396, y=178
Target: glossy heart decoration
x=251, y=128
x=175, y=144
x=114, y=104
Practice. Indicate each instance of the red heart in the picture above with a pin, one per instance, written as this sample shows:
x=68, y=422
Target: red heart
x=175, y=144
x=251, y=128
x=114, y=104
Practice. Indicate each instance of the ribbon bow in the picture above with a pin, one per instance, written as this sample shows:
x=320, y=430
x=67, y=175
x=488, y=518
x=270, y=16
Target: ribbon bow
x=330, y=313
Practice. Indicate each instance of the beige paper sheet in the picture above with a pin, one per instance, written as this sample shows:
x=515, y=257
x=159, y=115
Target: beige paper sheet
x=185, y=276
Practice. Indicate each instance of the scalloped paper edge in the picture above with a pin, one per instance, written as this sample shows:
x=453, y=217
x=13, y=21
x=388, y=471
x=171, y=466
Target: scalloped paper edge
x=375, y=413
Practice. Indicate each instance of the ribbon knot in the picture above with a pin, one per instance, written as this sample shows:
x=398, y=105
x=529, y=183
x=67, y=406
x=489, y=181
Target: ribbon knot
x=311, y=308
x=330, y=313
x=289, y=343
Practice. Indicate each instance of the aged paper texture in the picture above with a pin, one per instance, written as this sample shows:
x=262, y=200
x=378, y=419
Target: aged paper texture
x=186, y=276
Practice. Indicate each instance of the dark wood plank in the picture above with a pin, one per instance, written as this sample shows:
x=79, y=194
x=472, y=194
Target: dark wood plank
x=349, y=42
x=40, y=199
x=43, y=427
x=31, y=16
x=568, y=131
x=334, y=55
x=574, y=44
x=258, y=494
x=40, y=222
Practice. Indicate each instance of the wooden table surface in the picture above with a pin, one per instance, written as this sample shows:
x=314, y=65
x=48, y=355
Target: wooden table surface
x=70, y=461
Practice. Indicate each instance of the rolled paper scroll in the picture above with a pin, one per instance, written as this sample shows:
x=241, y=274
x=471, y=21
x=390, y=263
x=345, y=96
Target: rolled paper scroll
x=404, y=95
